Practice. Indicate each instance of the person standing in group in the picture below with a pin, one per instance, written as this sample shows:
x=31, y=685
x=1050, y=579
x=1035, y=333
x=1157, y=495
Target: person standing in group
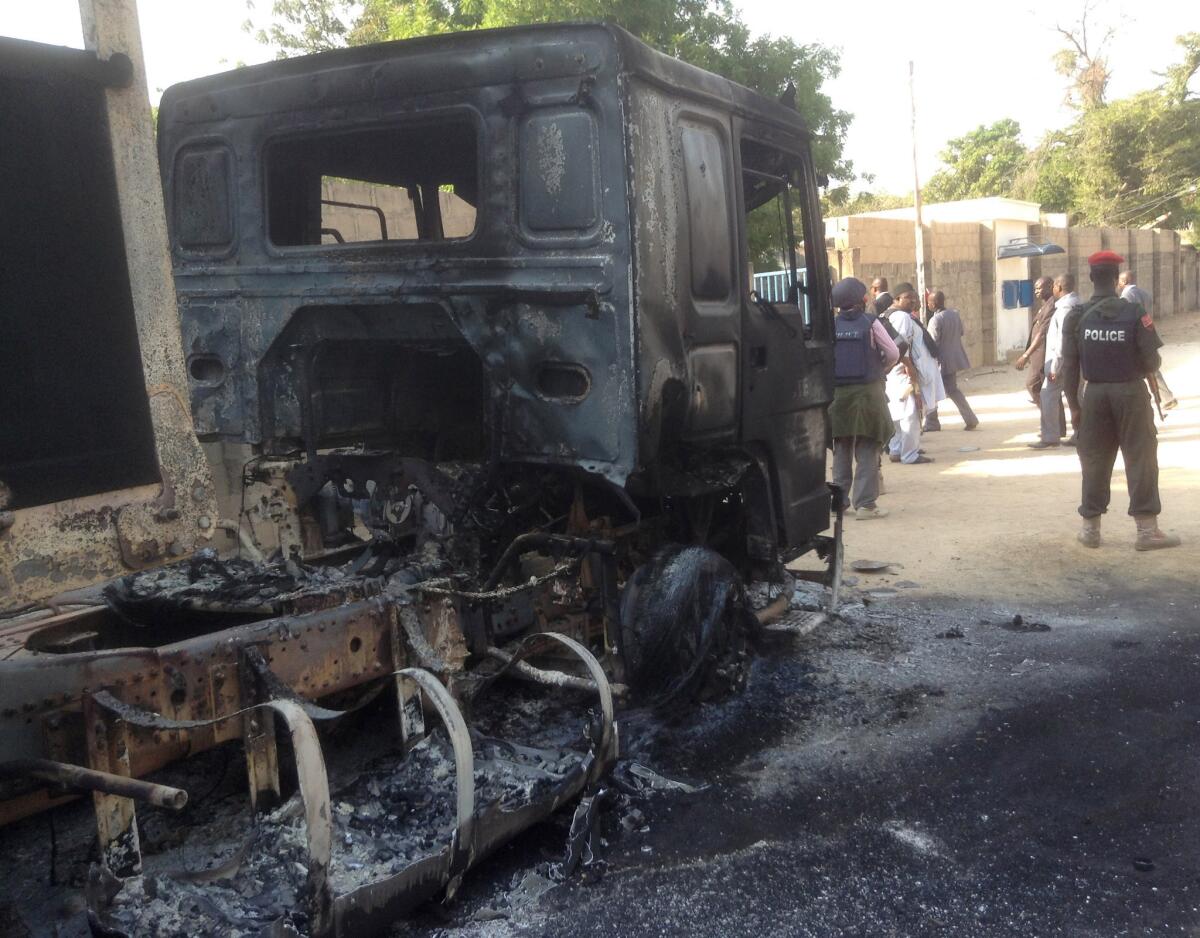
x=879, y=287
x=945, y=325
x=1053, y=425
x=1034, y=356
x=859, y=420
x=1130, y=291
x=1116, y=347
x=914, y=383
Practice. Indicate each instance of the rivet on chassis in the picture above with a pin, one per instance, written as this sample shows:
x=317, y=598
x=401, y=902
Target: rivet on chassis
x=204, y=522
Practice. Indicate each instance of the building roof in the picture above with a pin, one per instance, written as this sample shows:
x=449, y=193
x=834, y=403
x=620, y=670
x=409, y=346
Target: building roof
x=993, y=208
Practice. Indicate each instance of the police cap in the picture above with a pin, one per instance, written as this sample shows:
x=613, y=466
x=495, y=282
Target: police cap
x=849, y=293
x=1105, y=259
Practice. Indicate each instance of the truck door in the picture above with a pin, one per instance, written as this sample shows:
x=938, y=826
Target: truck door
x=711, y=300
x=786, y=382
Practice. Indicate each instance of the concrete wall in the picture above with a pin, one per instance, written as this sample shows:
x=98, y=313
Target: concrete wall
x=1165, y=292
x=1189, y=278
x=960, y=260
x=362, y=224
x=954, y=266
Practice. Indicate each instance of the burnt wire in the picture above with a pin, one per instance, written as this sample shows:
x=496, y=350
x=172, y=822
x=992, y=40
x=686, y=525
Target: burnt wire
x=242, y=503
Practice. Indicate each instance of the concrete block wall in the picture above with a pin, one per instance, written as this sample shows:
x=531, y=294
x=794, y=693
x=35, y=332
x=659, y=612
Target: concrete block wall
x=960, y=260
x=1165, y=291
x=1189, y=279
x=955, y=266
x=1141, y=258
x=1049, y=265
x=1117, y=239
x=882, y=241
x=1082, y=243
x=987, y=296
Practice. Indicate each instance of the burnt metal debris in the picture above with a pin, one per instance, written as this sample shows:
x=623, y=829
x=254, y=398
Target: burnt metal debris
x=473, y=308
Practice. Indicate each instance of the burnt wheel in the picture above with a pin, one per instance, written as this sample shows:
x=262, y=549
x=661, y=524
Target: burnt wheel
x=684, y=625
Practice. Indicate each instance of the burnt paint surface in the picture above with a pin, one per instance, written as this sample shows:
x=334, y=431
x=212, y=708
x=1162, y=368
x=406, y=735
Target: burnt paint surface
x=542, y=281
x=570, y=325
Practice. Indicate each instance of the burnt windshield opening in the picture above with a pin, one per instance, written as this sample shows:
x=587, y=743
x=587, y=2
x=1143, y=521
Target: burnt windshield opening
x=776, y=216
x=412, y=181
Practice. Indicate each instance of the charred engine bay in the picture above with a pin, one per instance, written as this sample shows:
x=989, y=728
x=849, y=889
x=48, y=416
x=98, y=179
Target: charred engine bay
x=907, y=768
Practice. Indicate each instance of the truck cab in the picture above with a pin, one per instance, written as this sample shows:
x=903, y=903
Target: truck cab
x=525, y=247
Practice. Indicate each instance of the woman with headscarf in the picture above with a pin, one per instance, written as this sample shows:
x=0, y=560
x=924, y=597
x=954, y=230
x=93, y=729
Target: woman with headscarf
x=859, y=420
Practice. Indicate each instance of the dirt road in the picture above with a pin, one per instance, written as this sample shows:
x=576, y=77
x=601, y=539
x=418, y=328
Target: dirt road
x=999, y=522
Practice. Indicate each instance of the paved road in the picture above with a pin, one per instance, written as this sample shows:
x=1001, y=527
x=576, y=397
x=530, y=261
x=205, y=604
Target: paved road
x=878, y=779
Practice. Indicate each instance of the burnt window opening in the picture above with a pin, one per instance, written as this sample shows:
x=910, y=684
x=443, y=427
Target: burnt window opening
x=409, y=182
x=76, y=419
x=775, y=226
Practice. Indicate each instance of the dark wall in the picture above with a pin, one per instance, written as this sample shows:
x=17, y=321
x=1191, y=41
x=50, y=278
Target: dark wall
x=74, y=417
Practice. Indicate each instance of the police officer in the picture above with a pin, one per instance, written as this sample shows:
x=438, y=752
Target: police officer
x=1114, y=344
x=859, y=421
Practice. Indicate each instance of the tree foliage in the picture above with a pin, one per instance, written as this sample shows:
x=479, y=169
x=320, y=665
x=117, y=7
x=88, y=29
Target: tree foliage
x=298, y=27
x=707, y=33
x=1131, y=162
x=982, y=163
x=1082, y=59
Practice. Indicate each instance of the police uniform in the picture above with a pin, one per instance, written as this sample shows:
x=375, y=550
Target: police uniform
x=858, y=415
x=1115, y=346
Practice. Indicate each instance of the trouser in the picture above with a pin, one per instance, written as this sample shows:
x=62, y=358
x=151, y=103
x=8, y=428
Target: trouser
x=1033, y=384
x=960, y=401
x=1166, y=396
x=907, y=441
x=1070, y=381
x=1118, y=416
x=1053, y=417
x=856, y=469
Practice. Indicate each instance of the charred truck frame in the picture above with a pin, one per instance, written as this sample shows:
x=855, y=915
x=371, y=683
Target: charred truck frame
x=477, y=310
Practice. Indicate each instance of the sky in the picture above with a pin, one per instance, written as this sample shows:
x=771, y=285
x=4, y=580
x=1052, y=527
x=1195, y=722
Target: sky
x=974, y=63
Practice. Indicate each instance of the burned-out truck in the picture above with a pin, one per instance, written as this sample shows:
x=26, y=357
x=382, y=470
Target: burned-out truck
x=472, y=319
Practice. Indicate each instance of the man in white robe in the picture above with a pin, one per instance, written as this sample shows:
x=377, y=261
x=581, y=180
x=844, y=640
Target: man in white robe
x=905, y=402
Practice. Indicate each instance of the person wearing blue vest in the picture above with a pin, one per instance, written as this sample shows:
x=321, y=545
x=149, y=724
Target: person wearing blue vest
x=859, y=420
x=1116, y=348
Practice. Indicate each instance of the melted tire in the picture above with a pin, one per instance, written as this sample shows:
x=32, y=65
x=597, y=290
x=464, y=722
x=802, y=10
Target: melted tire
x=684, y=628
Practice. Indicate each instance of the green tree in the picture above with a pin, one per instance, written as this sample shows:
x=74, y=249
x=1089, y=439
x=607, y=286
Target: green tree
x=982, y=163
x=1049, y=174
x=707, y=33
x=840, y=202
x=1178, y=78
x=1126, y=163
x=298, y=27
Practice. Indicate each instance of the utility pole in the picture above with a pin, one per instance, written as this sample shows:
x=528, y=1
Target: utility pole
x=918, y=228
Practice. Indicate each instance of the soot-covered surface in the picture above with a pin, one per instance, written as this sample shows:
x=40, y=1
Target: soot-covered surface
x=909, y=769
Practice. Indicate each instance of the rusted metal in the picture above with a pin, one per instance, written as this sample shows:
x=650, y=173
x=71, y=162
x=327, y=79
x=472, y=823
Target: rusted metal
x=550, y=678
x=116, y=818
x=78, y=778
x=477, y=831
